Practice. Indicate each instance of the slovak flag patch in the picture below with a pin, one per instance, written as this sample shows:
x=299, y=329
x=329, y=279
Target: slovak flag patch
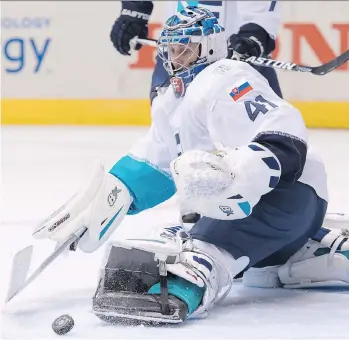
x=237, y=92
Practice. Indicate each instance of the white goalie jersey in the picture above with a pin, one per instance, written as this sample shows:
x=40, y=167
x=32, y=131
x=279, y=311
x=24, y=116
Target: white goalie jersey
x=229, y=104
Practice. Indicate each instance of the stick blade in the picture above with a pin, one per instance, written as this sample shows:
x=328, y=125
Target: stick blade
x=20, y=268
x=331, y=65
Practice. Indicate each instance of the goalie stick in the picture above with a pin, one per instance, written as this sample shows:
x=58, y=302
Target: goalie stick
x=317, y=70
x=22, y=260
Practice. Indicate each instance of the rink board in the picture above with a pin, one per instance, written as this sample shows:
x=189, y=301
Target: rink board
x=137, y=112
x=59, y=66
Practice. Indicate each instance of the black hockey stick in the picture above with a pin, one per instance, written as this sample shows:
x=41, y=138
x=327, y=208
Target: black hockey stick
x=317, y=70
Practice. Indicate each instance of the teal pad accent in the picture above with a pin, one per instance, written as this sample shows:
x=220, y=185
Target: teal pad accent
x=345, y=253
x=182, y=289
x=323, y=251
x=245, y=207
x=105, y=229
x=148, y=185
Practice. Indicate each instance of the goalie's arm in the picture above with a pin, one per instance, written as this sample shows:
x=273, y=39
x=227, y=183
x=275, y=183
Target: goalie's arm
x=146, y=173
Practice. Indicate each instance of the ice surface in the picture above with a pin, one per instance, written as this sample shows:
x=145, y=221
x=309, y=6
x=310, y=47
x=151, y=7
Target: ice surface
x=43, y=166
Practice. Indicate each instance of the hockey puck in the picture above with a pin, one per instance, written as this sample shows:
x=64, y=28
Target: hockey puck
x=63, y=324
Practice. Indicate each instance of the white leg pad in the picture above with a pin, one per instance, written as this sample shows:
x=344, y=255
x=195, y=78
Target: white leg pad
x=325, y=270
x=336, y=221
x=266, y=277
x=322, y=271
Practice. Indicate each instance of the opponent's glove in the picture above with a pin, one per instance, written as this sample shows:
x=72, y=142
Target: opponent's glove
x=251, y=41
x=132, y=22
x=226, y=185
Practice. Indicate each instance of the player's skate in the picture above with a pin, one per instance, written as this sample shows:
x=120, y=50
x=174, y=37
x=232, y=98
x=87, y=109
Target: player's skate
x=137, y=286
x=322, y=262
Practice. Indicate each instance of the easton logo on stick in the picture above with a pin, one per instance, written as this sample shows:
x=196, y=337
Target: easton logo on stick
x=271, y=62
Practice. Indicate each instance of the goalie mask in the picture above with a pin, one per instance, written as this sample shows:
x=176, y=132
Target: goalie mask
x=191, y=40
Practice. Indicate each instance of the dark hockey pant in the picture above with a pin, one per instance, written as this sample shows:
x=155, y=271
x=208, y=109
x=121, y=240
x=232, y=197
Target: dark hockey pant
x=280, y=224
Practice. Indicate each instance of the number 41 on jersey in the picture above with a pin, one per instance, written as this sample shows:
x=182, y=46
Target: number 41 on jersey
x=259, y=105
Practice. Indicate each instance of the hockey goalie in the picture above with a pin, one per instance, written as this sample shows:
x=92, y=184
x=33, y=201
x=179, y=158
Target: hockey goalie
x=234, y=152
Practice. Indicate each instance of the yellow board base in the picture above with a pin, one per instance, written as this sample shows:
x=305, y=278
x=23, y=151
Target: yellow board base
x=75, y=112
x=136, y=112
x=324, y=114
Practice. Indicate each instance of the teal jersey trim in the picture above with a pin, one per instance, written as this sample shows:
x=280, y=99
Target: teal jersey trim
x=148, y=185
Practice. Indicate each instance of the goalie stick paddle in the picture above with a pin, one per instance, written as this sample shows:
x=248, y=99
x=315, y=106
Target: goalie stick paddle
x=287, y=66
x=22, y=260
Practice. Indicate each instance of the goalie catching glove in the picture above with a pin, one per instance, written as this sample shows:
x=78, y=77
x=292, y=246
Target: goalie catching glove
x=99, y=206
x=228, y=184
